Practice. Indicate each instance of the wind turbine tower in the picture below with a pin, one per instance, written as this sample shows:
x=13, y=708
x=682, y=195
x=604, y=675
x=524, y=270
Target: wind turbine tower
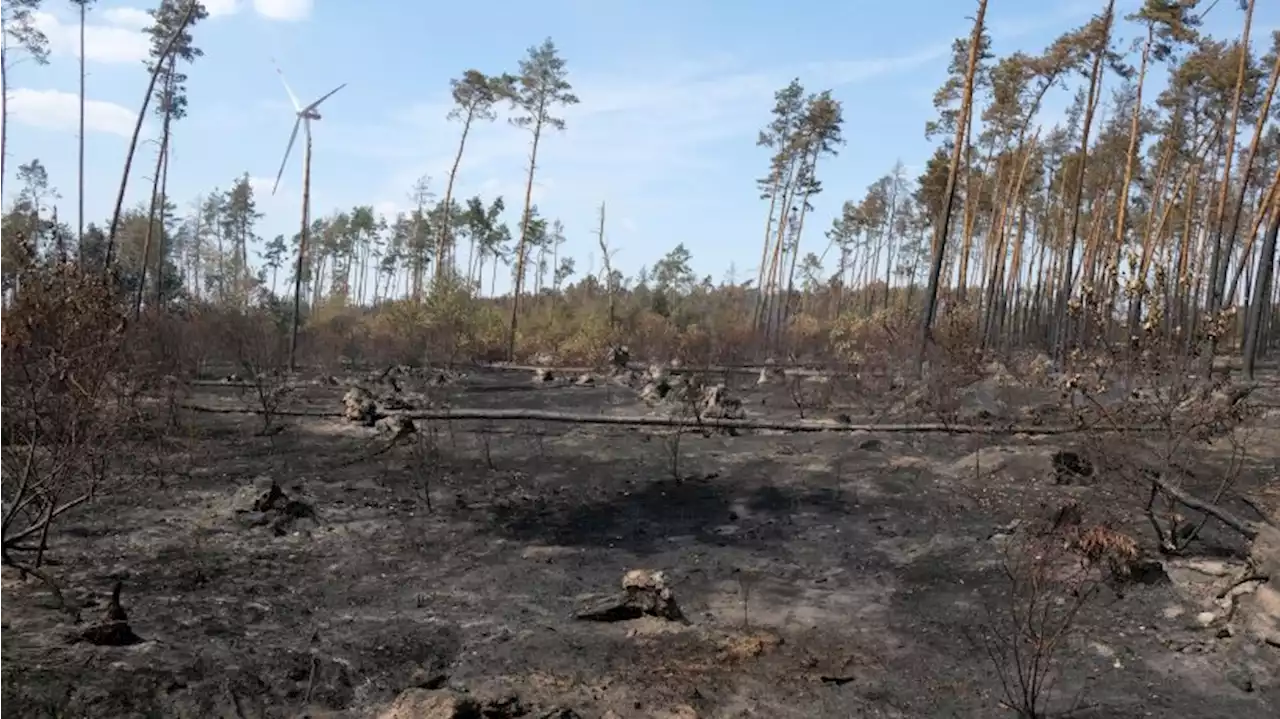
x=304, y=117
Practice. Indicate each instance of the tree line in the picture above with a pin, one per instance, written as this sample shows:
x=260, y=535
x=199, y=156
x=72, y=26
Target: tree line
x=1140, y=215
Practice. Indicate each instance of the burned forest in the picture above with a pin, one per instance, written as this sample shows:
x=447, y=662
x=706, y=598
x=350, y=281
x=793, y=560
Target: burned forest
x=996, y=435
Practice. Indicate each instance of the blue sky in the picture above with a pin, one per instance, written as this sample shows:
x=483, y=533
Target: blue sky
x=673, y=95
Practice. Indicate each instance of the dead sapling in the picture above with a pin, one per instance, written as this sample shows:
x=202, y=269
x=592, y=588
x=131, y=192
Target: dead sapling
x=744, y=591
x=1048, y=581
x=426, y=462
x=259, y=350
x=485, y=437
x=531, y=431
x=271, y=389
x=398, y=428
x=686, y=412
x=795, y=389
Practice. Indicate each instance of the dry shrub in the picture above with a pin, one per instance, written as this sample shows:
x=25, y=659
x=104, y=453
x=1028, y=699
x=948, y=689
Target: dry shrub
x=334, y=330
x=166, y=352
x=649, y=334
x=956, y=328
x=805, y=335
x=545, y=330
x=1187, y=417
x=66, y=370
x=589, y=343
x=734, y=337
x=1048, y=582
x=451, y=322
x=695, y=345
x=165, y=345
x=397, y=333
x=259, y=343
x=856, y=340
x=486, y=335
x=1103, y=546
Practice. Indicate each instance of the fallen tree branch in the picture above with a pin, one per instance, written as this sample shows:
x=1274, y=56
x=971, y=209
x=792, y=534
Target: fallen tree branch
x=524, y=415
x=1246, y=528
x=474, y=388
x=1248, y=576
x=789, y=370
x=63, y=605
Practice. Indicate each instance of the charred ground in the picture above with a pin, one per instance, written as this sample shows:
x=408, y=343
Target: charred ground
x=823, y=574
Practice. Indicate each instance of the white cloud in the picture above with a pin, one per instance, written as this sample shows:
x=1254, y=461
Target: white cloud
x=117, y=38
x=116, y=34
x=221, y=8
x=388, y=209
x=126, y=17
x=262, y=186
x=56, y=110
x=284, y=9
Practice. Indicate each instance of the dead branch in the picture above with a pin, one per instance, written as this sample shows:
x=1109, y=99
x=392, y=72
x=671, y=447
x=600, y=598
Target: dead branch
x=1244, y=527
x=753, y=370
x=521, y=415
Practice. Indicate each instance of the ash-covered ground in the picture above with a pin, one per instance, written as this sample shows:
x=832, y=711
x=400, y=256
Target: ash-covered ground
x=311, y=572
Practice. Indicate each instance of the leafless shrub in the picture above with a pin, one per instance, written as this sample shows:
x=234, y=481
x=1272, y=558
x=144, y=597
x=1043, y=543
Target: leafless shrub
x=1048, y=582
x=810, y=392
x=672, y=444
x=1181, y=414
x=485, y=437
x=795, y=389
x=744, y=592
x=64, y=420
x=258, y=344
x=425, y=458
x=684, y=402
x=165, y=354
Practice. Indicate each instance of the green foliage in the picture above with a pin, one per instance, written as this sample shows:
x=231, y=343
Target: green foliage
x=174, y=16
x=541, y=85
x=21, y=30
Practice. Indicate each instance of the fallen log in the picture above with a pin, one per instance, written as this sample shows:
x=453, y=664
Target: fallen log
x=459, y=387
x=788, y=370
x=530, y=415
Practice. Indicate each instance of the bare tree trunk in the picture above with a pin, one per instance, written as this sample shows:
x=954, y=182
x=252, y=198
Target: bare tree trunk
x=970, y=209
x=943, y=224
x=1217, y=260
x=1122, y=204
x=80, y=174
x=137, y=130
x=521, y=247
x=151, y=219
x=764, y=249
x=442, y=251
x=1061, y=332
x=4, y=103
x=164, y=200
x=196, y=259
x=1261, y=301
x=1245, y=171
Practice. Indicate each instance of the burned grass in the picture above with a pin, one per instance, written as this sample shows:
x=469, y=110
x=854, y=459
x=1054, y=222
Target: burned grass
x=821, y=575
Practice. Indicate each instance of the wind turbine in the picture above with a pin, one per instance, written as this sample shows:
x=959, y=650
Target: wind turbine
x=304, y=117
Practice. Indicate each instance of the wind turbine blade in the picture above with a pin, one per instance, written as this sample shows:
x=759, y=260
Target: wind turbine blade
x=316, y=104
x=287, y=150
x=292, y=97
